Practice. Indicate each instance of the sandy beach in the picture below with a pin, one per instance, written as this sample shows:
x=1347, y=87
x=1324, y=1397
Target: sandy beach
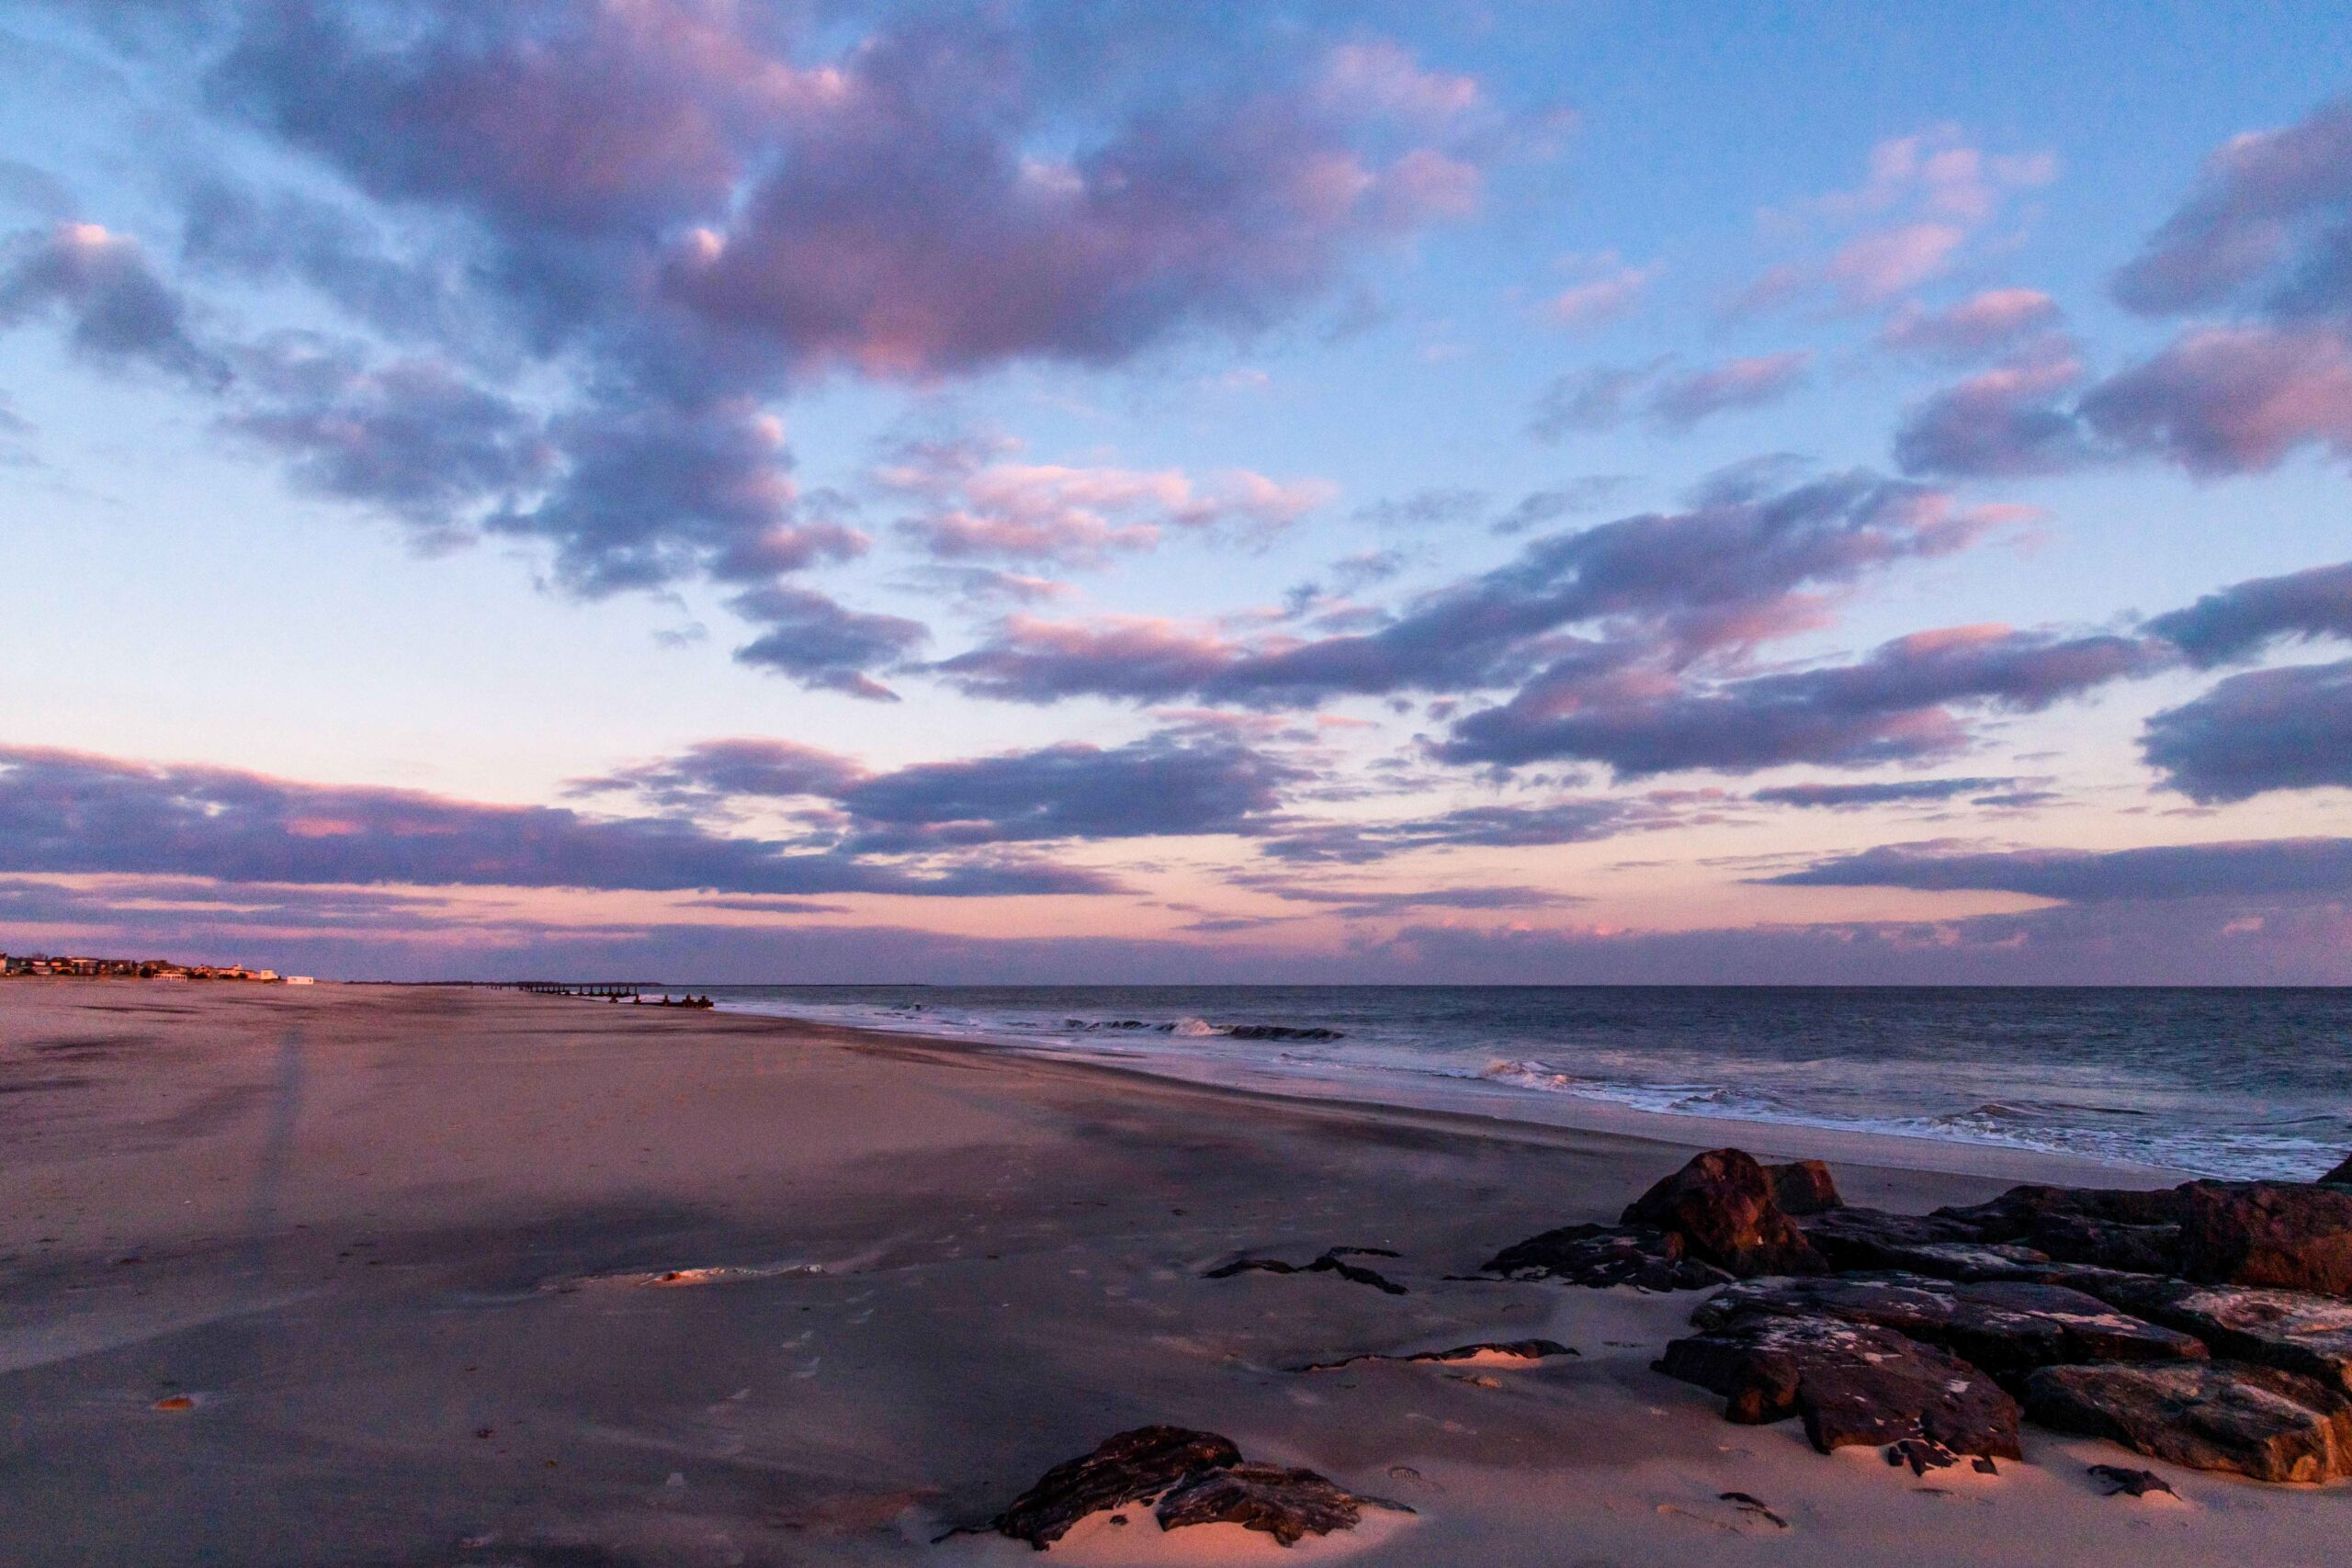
x=380, y=1276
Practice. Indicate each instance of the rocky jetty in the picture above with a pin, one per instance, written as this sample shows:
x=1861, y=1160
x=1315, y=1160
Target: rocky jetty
x=2208, y=1323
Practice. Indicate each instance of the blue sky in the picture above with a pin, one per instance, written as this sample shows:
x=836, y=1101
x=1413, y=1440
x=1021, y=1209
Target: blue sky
x=1024, y=492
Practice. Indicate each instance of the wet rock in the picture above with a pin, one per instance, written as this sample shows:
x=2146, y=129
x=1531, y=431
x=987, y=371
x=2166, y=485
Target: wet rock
x=1803, y=1187
x=1131, y=1467
x=2296, y=1331
x=1601, y=1256
x=1748, y=1503
x=2341, y=1175
x=1485, y=1351
x=1334, y=1261
x=2014, y=1215
x=1279, y=1031
x=2006, y=1328
x=2116, y=1479
x=1284, y=1503
x=1918, y=1241
x=2107, y=1244
x=2291, y=1236
x=1722, y=1205
x=1921, y=1455
x=2232, y=1416
x=1851, y=1382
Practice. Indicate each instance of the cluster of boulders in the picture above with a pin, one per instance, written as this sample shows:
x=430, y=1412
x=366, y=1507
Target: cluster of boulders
x=2207, y=1323
x=1184, y=1478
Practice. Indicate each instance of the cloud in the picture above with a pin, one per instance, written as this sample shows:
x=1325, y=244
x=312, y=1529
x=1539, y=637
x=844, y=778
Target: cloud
x=1681, y=402
x=1170, y=784
x=118, y=309
x=1848, y=796
x=2266, y=234
x=822, y=644
x=2268, y=730
x=411, y=436
x=712, y=771
x=2299, y=868
x=1605, y=289
x=975, y=504
x=65, y=812
x=1739, y=567
x=2002, y=422
x=2269, y=223
x=1571, y=820
x=1895, y=707
x=1991, y=322
x=1156, y=786
x=2247, y=617
x=1373, y=904
x=1672, y=400
x=2231, y=400
x=665, y=218
x=1924, y=197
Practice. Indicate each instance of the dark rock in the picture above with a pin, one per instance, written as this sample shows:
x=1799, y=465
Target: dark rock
x=1720, y=1203
x=2005, y=1328
x=1851, y=1382
x=2295, y=1236
x=1332, y=1262
x=1279, y=1032
x=1285, y=1504
x=1803, y=1187
x=1508, y=1350
x=2014, y=1214
x=1923, y=1456
x=1129, y=1468
x=1920, y=1244
x=2295, y=1331
x=2232, y=1416
x=2341, y=1175
x=2107, y=1244
x=2115, y=1479
x=1747, y=1503
x=1601, y=1256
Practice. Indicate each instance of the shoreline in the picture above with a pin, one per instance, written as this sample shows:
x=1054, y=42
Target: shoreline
x=1475, y=1104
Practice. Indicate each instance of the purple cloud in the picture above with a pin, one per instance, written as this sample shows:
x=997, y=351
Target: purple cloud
x=2246, y=618
x=1849, y=797
x=2231, y=400
x=2271, y=215
x=1574, y=820
x=1993, y=321
x=1895, y=706
x=1737, y=567
x=978, y=502
x=1680, y=402
x=822, y=644
x=1170, y=784
x=1607, y=396
x=65, y=812
x=118, y=312
x=2299, y=868
x=2009, y=421
x=2268, y=730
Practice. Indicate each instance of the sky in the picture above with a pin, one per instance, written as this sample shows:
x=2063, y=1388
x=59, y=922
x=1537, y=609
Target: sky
x=713, y=490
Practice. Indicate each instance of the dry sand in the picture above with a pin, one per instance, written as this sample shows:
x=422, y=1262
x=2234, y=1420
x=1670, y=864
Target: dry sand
x=407, y=1257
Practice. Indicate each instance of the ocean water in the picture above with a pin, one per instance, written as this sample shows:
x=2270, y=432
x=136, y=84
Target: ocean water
x=2228, y=1083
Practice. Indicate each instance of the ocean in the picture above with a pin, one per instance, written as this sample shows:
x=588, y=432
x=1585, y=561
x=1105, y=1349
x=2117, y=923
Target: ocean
x=2226, y=1083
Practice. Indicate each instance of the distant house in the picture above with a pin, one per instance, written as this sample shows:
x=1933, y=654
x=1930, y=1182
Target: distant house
x=300, y=980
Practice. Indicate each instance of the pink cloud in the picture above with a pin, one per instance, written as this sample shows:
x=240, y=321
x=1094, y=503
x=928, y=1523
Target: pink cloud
x=2233, y=400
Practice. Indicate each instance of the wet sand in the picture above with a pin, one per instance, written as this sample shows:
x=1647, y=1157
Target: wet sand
x=393, y=1260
